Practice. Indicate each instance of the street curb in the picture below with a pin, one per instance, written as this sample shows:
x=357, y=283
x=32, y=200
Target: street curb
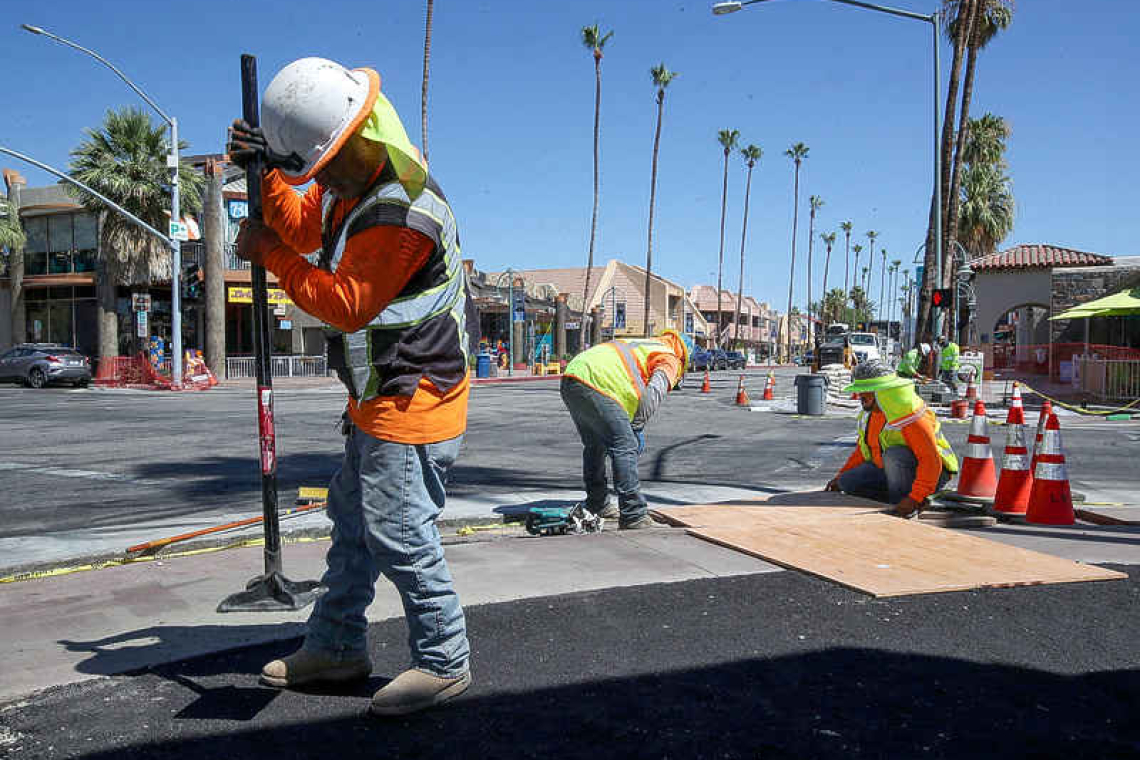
x=526, y=378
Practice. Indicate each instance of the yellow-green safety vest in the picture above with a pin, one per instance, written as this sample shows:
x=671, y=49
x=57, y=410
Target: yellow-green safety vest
x=618, y=369
x=908, y=365
x=903, y=407
x=950, y=356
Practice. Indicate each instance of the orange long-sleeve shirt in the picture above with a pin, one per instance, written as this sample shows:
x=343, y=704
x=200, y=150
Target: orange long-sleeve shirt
x=376, y=265
x=920, y=440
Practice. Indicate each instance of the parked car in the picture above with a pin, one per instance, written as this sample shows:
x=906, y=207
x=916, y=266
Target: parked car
x=37, y=364
x=700, y=361
x=865, y=346
x=735, y=360
x=719, y=359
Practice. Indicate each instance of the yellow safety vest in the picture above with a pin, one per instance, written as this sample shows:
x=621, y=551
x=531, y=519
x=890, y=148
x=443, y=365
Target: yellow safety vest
x=950, y=356
x=618, y=369
x=903, y=407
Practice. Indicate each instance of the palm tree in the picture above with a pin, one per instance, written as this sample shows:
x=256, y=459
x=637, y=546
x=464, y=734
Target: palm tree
x=661, y=78
x=868, y=306
x=882, y=283
x=990, y=17
x=12, y=240
x=859, y=305
x=424, y=90
x=125, y=160
x=833, y=305
x=797, y=153
x=987, y=208
x=727, y=138
x=846, y=227
x=828, y=240
x=871, y=235
x=594, y=40
x=751, y=155
x=895, y=266
x=857, y=248
x=814, y=202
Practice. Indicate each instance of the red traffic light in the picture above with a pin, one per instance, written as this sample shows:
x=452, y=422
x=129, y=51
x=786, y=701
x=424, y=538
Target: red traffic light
x=940, y=298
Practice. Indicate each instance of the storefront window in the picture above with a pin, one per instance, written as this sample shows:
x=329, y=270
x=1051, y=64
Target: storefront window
x=35, y=249
x=59, y=244
x=86, y=242
x=63, y=315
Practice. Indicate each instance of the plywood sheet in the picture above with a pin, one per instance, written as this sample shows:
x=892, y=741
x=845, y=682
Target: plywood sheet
x=879, y=554
x=731, y=513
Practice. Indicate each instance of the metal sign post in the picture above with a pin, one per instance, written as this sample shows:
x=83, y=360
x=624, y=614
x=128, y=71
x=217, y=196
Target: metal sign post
x=271, y=591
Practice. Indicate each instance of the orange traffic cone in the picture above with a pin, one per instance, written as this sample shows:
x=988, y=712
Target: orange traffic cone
x=1050, y=501
x=706, y=388
x=971, y=390
x=978, y=481
x=770, y=388
x=1046, y=410
x=1015, y=400
x=741, y=395
x=1016, y=479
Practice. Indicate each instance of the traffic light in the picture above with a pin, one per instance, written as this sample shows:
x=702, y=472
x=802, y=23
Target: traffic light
x=192, y=282
x=940, y=298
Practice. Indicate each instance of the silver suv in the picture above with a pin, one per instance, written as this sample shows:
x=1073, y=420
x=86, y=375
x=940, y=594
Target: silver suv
x=37, y=364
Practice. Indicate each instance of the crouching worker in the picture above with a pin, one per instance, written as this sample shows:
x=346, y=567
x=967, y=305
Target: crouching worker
x=391, y=290
x=611, y=391
x=912, y=361
x=902, y=457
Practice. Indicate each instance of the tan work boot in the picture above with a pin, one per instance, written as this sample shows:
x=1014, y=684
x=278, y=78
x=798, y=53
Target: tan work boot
x=415, y=690
x=303, y=667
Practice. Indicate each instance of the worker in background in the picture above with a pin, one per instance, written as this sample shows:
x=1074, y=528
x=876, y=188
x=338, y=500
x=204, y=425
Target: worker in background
x=910, y=365
x=948, y=363
x=611, y=391
x=901, y=457
x=391, y=290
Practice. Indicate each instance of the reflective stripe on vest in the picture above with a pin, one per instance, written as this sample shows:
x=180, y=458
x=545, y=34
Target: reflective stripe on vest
x=430, y=215
x=617, y=369
x=949, y=358
x=892, y=435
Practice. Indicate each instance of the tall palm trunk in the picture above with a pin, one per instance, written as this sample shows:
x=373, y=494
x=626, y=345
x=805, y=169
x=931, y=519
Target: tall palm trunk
x=105, y=292
x=811, y=236
x=882, y=285
x=823, y=297
x=846, y=265
x=720, y=257
x=16, y=270
x=594, y=215
x=929, y=260
x=963, y=134
x=867, y=278
x=743, y=236
x=792, y=273
x=424, y=91
x=652, y=199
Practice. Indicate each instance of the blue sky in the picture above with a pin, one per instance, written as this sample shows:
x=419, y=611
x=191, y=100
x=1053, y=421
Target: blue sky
x=511, y=114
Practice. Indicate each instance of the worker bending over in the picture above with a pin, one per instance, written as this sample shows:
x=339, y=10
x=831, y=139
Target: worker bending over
x=910, y=365
x=902, y=457
x=389, y=286
x=611, y=391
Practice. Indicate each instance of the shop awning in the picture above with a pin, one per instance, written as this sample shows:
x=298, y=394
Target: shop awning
x=1122, y=304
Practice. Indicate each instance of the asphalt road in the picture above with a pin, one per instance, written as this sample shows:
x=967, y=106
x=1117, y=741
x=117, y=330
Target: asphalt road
x=775, y=665
x=106, y=460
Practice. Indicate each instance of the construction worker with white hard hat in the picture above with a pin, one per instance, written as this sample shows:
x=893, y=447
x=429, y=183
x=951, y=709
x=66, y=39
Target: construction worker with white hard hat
x=948, y=362
x=611, y=391
x=390, y=287
x=910, y=365
x=902, y=457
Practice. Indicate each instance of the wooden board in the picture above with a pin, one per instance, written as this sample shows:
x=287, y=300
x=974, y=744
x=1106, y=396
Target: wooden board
x=876, y=553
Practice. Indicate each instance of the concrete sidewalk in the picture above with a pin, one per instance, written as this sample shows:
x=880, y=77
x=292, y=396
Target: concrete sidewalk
x=70, y=628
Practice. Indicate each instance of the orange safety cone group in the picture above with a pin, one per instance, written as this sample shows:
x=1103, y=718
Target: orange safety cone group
x=1012, y=496
x=1051, y=501
x=1046, y=410
x=770, y=388
x=978, y=481
x=706, y=388
x=741, y=395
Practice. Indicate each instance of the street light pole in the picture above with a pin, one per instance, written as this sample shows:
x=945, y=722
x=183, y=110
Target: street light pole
x=723, y=8
x=172, y=162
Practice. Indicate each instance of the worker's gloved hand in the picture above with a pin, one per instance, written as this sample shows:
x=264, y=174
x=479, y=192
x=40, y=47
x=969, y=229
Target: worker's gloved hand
x=908, y=507
x=248, y=142
x=640, y=442
x=832, y=485
x=254, y=240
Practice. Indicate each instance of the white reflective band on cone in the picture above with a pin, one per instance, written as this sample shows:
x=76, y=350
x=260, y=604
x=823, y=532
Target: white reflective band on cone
x=977, y=451
x=978, y=427
x=1051, y=471
x=1015, y=462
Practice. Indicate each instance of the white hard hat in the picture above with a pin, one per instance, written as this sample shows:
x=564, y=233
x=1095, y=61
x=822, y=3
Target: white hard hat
x=312, y=107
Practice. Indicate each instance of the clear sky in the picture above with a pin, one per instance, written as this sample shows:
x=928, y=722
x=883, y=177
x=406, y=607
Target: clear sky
x=511, y=114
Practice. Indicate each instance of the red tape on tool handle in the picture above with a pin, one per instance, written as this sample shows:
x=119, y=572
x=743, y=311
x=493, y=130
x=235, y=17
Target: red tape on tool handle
x=265, y=430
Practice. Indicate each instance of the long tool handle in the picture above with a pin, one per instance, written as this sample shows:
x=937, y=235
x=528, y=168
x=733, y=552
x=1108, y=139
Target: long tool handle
x=261, y=343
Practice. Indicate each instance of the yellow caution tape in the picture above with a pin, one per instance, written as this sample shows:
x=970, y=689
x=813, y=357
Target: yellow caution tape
x=116, y=562
x=1078, y=409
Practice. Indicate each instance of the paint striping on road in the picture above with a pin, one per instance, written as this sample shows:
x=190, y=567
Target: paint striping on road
x=61, y=472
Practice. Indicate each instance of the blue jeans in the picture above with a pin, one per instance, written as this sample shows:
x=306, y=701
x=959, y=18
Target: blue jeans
x=605, y=430
x=383, y=503
x=889, y=484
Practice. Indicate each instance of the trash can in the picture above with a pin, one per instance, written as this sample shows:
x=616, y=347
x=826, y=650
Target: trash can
x=810, y=394
x=483, y=365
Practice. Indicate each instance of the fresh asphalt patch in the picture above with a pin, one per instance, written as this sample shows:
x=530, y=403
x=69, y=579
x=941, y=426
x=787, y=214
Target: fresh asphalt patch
x=768, y=665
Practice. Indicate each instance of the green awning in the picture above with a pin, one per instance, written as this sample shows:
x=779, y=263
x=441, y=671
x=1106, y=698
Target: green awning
x=1122, y=304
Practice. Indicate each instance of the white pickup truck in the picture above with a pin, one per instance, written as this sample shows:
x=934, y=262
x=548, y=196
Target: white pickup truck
x=865, y=346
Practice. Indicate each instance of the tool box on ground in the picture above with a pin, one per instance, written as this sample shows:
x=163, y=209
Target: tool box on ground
x=558, y=521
